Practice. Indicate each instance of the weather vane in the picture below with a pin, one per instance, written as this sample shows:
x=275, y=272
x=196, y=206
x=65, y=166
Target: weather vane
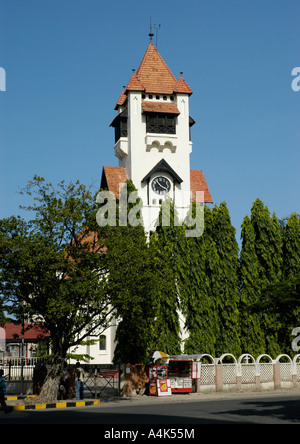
x=157, y=29
x=151, y=33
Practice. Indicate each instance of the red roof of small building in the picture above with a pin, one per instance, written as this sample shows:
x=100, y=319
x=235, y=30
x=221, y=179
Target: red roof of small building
x=112, y=177
x=32, y=332
x=198, y=183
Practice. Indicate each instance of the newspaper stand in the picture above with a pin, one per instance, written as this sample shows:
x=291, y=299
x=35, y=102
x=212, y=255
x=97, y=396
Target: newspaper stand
x=181, y=374
x=159, y=384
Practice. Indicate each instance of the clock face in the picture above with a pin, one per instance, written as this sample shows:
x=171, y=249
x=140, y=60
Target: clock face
x=161, y=185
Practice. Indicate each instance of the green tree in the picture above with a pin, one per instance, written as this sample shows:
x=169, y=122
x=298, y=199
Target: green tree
x=226, y=301
x=131, y=280
x=281, y=301
x=167, y=248
x=3, y=318
x=268, y=249
x=291, y=247
x=252, y=333
x=198, y=286
x=52, y=267
x=268, y=243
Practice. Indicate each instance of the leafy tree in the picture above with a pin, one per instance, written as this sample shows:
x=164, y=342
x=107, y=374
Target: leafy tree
x=131, y=290
x=131, y=281
x=252, y=333
x=167, y=248
x=198, y=286
x=268, y=243
x=281, y=301
x=52, y=267
x=3, y=318
x=226, y=301
x=268, y=249
x=291, y=247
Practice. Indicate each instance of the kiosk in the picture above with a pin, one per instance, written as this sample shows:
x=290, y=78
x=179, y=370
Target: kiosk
x=175, y=376
x=181, y=374
x=159, y=384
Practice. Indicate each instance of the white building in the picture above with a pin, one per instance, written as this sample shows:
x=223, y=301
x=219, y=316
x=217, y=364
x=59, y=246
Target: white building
x=153, y=145
x=153, y=140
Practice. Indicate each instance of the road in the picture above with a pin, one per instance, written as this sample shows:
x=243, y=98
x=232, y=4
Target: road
x=269, y=408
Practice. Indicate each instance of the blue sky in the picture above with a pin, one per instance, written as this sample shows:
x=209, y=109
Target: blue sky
x=67, y=60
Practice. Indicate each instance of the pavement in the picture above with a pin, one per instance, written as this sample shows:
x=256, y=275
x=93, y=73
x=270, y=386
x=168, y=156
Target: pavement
x=190, y=397
x=16, y=402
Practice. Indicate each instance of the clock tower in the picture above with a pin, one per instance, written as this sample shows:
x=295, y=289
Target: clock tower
x=153, y=140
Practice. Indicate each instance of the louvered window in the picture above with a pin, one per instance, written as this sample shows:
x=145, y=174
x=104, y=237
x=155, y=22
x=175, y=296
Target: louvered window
x=161, y=123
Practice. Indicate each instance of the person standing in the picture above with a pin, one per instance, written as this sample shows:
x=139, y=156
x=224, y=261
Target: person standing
x=3, y=393
x=79, y=381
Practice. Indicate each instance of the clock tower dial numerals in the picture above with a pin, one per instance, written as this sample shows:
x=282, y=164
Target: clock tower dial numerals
x=161, y=185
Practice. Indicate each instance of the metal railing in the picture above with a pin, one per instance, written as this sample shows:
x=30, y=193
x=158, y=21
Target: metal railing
x=18, y=368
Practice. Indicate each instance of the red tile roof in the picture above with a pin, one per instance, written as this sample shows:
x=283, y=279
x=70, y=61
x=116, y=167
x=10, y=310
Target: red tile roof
x=154, y=73
x=122, y=99
x=198, y=183
x=182, y=87
x=160, y=107
x=32, y=332
x=112, y=177
x=135, y=84
x=154, y=77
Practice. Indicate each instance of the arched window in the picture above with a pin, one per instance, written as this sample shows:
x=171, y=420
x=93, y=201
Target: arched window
x=102, y=343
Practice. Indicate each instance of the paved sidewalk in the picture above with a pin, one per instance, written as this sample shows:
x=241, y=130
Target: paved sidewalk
x=152, y=400
x=190, y=397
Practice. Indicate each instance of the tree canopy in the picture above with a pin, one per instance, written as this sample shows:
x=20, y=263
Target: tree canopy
x=52, y=268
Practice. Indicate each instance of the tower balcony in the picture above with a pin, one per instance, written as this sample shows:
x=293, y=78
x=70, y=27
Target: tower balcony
x=161, y=142
x=121, y=148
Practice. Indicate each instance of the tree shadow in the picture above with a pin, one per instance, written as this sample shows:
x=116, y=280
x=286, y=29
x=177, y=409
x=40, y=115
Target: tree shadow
x=285, y=410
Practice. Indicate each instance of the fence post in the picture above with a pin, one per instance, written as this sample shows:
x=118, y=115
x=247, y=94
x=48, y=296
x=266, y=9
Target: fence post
x=239, y=376
x=276, y=372
x=219, y=377
x=294, y=374
x=257, y=377
x=96, y=383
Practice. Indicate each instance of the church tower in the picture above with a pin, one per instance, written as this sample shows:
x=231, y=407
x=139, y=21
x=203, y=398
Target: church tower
x=153, y=140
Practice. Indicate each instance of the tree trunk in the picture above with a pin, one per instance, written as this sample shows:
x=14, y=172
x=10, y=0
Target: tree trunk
x=50, y=387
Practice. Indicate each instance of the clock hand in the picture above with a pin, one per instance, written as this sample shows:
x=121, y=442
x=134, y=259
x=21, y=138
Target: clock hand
x=164, y=188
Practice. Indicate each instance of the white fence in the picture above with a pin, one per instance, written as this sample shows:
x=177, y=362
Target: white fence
x=224, y=373
x=14, y=367
x=246, y=373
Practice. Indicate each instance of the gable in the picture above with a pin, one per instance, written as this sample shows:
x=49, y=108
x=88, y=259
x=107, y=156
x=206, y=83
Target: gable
x=163, y=166
x=198, y=183
x=112, y=177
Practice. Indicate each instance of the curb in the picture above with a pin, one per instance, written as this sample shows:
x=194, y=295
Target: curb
x=56, y=405
x=16, y=398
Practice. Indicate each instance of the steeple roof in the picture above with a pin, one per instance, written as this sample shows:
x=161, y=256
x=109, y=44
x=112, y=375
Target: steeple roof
x=155, y=74
x=182, y=86
x=154, y=77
